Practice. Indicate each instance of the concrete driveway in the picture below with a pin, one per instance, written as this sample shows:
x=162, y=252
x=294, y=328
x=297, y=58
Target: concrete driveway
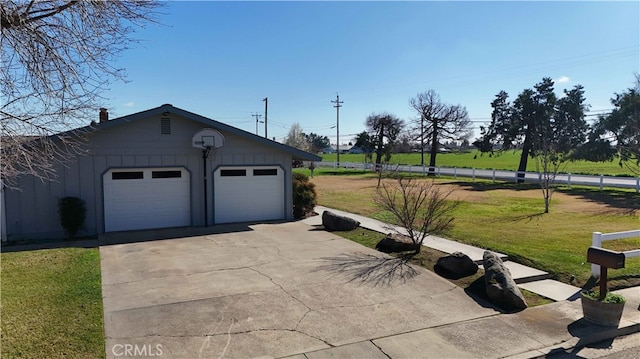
x=270, y=290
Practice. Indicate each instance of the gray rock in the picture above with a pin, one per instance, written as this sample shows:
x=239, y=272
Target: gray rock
x=335, y=222
x=395, y=243
x=457, y=264
x=500, y=287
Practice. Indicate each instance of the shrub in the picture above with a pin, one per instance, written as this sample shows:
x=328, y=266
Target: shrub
x=72, y=212
x=420, y=207
x=304, y=195
x=609, y=298
x=301, y=177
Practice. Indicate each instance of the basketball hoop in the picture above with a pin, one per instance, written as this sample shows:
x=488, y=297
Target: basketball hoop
x=207, y=137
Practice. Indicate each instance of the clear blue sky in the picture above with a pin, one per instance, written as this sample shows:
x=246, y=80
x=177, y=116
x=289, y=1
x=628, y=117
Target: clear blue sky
x=220, y=59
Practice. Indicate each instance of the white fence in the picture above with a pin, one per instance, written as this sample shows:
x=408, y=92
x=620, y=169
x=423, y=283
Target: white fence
x=568, y=179
x=596, y=241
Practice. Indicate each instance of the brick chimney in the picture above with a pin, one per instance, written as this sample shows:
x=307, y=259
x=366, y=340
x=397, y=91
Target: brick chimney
x=104, y=115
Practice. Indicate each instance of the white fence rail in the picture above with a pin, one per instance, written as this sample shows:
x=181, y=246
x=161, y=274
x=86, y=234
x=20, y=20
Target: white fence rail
x=596, y=241
x=569, y=179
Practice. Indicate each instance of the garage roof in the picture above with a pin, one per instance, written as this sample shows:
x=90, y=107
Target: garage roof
x=296, y=153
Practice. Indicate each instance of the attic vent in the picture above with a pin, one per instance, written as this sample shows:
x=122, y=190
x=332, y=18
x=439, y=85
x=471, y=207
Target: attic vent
x=165, y=126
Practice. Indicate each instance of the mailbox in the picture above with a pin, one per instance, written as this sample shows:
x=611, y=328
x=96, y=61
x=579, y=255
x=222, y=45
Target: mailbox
x=605, y=258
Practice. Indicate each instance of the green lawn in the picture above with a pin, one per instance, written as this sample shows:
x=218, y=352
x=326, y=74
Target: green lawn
x=555, y=242
x=505, y=161
x=52, y=304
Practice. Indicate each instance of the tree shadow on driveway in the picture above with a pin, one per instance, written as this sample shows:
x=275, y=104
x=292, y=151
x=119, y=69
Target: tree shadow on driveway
x=370, y=269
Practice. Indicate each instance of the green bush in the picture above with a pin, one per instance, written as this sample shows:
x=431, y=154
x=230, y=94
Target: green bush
x=72, y=212
x=609, y=298
x=304, y=195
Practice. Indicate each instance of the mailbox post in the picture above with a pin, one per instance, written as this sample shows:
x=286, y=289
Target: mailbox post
x=606, y=259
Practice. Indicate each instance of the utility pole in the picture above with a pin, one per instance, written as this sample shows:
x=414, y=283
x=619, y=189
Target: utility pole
x=422, y=140
x=337, y=105
x=257, y=116
x=266, y=106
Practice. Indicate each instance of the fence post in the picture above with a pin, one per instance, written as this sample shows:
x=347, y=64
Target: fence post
x=516, y=177
x=596, y=241
x=455, y=174
x=494, y=176
x=473, y=174
x=637, y=184
x=601, y=181
x=569, y=180
x=438, y=171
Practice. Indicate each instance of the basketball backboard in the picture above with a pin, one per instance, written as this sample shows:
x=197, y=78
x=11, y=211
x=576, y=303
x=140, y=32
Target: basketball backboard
x=207, y=138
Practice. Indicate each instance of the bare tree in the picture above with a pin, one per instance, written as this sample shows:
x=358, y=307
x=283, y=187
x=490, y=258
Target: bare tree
x=296, y=138
x=56, y=60
x=549, y=162
x=420, y=207
x=438, y=122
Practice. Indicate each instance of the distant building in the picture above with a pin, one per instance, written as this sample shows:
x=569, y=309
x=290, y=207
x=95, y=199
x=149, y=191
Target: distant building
x=334, y=149
x=328, y=149
x=343, y=148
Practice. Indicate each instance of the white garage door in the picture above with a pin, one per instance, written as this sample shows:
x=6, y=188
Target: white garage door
x=146, y=198
x=243, y=194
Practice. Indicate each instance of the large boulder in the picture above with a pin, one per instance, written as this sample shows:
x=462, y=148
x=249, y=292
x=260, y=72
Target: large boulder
x=500, y=286
x=457, y=265
x=335, y=222
x=396, y=243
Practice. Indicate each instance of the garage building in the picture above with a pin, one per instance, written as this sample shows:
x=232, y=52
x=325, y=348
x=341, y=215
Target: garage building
x=149, y=169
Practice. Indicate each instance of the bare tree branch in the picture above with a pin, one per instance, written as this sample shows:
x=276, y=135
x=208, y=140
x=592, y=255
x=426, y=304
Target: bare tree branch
x=56, y=60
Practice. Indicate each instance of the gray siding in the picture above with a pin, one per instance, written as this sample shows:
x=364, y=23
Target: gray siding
x=32, y=210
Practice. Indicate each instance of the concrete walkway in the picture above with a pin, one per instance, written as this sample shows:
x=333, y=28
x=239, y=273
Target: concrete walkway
x=531, y=279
